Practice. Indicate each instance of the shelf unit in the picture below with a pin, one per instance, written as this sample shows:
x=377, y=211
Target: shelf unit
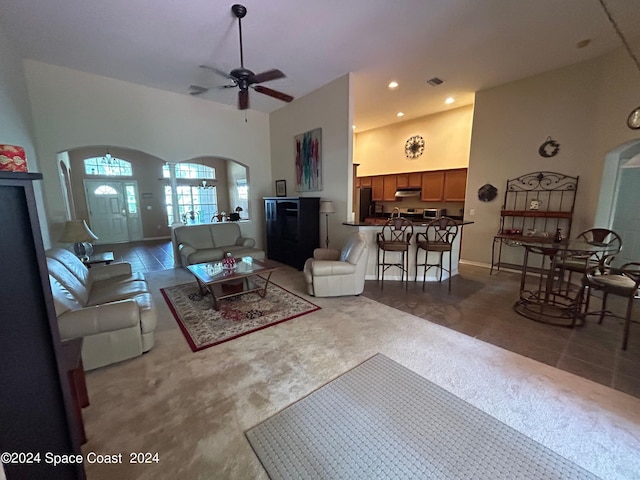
x=535, y=205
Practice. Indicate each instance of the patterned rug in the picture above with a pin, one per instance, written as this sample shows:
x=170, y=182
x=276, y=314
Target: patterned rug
x=381, y=420
x=204, y=327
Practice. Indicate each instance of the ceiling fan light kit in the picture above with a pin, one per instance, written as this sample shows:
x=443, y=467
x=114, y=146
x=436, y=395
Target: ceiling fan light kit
x=242, y=77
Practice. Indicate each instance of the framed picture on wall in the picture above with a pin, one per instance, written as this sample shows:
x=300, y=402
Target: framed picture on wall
x=281, y=188
x=308, y=151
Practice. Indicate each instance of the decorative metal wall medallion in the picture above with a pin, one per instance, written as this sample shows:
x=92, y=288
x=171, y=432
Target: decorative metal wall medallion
x=549, y=149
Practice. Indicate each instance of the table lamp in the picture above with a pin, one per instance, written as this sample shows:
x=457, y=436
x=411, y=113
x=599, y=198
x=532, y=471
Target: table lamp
x=326, y=207
x=78, y=233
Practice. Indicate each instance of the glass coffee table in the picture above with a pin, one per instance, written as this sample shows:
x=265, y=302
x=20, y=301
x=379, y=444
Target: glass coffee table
x=222, y=283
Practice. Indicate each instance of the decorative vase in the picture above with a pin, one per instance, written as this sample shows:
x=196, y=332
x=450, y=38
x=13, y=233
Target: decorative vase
x=229, y=262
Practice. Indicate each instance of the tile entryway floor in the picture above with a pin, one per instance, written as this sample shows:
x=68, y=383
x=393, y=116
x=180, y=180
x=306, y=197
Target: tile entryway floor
x=480, y=305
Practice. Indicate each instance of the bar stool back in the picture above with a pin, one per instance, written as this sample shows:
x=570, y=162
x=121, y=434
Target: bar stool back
x=395, y=237
x=437, y=238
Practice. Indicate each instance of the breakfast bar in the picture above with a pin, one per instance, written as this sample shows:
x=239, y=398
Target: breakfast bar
x=369, y=231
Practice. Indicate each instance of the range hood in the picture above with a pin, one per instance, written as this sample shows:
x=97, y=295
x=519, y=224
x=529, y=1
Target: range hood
x=408, y=192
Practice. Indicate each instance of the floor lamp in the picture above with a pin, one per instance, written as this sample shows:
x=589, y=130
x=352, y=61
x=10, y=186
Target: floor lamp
x=326, y=207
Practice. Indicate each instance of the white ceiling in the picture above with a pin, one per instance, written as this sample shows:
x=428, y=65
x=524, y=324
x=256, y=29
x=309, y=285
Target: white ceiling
x=471, y=44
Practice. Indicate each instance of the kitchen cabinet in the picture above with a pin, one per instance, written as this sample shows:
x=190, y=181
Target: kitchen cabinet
x=408, y=180
x=377, y=188
x=293, y=228
x=36, y=411
x=365, y=181
x=432, y=186
x=389, y=188
x=358, y=182
x=455, y=185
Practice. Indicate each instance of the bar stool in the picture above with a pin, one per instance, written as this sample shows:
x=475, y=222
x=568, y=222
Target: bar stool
x=438, y=238
x=395, y=237
x=623, y=281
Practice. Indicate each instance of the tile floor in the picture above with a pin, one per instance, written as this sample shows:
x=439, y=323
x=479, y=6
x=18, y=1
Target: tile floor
x=480, y=305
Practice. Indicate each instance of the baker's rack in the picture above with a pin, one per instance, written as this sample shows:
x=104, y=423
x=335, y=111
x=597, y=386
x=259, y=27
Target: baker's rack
x=535, y=206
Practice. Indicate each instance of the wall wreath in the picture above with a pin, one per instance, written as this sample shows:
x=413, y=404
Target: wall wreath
x=549, y=149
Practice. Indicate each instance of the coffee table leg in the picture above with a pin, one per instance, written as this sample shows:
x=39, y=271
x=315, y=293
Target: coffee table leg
x=263, y=292
x=214, y=299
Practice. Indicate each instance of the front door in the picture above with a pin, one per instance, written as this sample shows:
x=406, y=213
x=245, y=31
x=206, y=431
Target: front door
x=107, y=205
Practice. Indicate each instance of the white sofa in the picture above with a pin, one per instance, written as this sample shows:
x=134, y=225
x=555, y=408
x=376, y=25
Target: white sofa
x=210, y=242
x=333, y=273
x=110, y=307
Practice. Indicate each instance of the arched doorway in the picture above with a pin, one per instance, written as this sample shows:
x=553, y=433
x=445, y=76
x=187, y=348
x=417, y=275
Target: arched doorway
x=619, y=200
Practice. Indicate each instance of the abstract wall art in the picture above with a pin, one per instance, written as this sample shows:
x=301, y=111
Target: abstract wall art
x=308, y=151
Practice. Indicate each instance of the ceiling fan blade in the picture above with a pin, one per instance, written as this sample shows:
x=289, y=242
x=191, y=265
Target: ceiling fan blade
x=243, y=99
x=197, y=90
x=266, y=76
x=219, y=72
x=273, y=93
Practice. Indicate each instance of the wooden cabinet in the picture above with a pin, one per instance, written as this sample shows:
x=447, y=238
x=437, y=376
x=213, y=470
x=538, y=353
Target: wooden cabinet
x=455, y=185
x=358, y=182
x=389, y=188
x=432, y=186
x=408, y=180
x=377, y=188
x=293, y=228
x=365, y=181
x=37, y=409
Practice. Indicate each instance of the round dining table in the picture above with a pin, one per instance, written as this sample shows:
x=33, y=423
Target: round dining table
x=544, y=295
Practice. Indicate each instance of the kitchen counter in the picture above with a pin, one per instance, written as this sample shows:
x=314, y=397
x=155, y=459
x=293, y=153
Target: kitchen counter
x=416, y=223
x=369, y=232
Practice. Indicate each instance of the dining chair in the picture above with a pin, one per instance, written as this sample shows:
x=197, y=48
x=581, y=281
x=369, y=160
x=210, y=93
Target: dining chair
x=438, y=238
x=395, y=237
x=623, y=281
x=580, y=263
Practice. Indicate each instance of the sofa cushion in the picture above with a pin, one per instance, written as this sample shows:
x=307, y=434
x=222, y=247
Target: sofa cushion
x=205, y=255
x=224, y=234
x=113, y=292
x=72, y=263
x=198, y=236
x=68, y=280
x=63, y=300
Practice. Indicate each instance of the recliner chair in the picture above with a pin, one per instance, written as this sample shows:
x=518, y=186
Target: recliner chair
x=334, y=273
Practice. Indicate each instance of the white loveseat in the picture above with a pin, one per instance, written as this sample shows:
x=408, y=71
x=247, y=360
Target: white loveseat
x=110, y=307
x=209, y=242
x=333, y=273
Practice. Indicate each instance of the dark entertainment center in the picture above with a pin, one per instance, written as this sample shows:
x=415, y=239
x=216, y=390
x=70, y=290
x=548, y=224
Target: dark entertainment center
x=293, y=228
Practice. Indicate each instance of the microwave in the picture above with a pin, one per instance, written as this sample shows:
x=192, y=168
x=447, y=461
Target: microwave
x=429, y=213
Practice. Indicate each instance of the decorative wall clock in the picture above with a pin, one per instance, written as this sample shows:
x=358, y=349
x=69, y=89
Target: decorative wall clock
x=414, y=146
x=633, y=121
x=549, y=149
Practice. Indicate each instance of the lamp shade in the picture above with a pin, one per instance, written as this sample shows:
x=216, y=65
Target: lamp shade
x=326, y=206
x=76, y=231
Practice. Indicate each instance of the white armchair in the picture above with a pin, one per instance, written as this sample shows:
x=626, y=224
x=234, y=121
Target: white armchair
x=333, y=273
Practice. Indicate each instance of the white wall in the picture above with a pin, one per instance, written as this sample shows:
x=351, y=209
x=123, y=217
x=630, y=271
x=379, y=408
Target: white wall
x=330, y=108
x=74, y=109
x=16, y=125
x=584, y=107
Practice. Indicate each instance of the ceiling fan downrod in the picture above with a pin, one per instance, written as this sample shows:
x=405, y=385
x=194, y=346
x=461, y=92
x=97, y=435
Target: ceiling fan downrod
x=240, y=11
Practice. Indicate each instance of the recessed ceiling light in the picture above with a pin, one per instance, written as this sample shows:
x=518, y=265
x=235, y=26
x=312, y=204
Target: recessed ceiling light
x=449, y=100
x=399, y=114
x=353, y=127
x=393, y=84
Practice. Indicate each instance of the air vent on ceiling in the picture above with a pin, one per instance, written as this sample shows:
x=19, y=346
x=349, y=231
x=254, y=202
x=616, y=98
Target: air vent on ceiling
x=435, y=81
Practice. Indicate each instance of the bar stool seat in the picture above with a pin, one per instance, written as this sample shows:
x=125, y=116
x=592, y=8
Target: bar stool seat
x=437, y=238
x=395, y=237
x=623, y=281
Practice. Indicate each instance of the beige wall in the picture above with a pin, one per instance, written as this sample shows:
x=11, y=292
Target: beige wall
x=73, y=109
x=329, y=108
x=584, y=107
x=447, y=137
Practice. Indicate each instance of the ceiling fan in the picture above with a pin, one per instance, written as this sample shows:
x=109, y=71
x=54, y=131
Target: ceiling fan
x=244, y=78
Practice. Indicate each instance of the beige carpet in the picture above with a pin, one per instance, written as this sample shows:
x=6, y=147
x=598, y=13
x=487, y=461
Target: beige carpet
x=193, y=408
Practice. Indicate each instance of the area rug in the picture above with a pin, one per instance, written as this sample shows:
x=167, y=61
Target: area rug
x=204, y=327
x=381, y=420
